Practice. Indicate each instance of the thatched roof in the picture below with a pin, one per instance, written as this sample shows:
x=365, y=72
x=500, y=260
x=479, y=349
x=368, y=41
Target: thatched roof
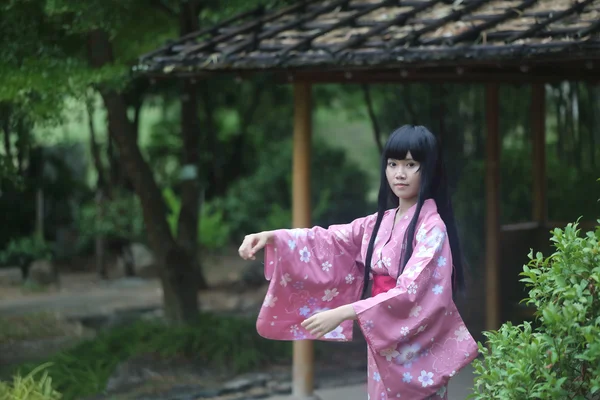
x=321, y=35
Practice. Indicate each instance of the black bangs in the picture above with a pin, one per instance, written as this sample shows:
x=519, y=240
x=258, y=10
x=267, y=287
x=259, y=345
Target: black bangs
x=406, y=139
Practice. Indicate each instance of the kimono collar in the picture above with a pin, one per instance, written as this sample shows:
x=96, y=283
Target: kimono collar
x=429, y=206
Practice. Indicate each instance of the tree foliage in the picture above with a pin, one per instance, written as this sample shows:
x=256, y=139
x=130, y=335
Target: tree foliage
x=559, y=359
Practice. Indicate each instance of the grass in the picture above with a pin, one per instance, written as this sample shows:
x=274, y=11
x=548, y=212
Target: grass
x=30, y=387
x=33, y=327
x=217, y=342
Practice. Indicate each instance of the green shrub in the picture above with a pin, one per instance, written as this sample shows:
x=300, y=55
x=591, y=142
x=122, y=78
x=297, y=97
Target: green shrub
x=560, y=358
x=25, y=250
x=117, y=218
x=263, y=200
x=30, y=387
x=226, y=343
x=213, y=230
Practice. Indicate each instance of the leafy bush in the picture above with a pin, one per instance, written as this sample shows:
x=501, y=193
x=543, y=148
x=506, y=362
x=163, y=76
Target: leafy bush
x=117, y=218
x=30, y=387
x=560, y=358
x=213, y=231
x=221, y=342
x=263, y=200
x=25, y=250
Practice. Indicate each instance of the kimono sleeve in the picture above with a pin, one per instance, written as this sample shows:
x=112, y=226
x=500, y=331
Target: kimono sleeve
x=422, y=294
x=311, y=270
x=335, y=248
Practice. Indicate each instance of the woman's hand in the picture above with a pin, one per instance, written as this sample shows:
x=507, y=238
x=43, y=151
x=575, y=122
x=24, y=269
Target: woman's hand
x=253, y=243
x=326, y=321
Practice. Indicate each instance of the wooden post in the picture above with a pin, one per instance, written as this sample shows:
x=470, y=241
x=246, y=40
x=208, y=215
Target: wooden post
x=538, y=127
x=492, y=213
x=303, y=381
x=39, y=214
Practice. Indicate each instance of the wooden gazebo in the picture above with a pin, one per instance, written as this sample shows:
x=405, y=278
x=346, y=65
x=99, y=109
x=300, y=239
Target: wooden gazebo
x=396, y=41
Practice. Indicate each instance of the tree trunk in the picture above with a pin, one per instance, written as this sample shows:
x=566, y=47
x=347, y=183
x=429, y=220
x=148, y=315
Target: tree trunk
x=100, y=247
x=189, y=215
x=6, y=128
x=594, y=125
x=175, y=265
x=372, y=117
x=22, y=144
x=102, y=183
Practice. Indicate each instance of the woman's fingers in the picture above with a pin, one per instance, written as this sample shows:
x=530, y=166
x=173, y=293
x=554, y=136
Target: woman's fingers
x=252, y=244
x=259, y=245
x=245, y=248
x=312, y=326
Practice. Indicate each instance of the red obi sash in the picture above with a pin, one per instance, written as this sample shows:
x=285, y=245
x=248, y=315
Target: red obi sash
x=382, y=283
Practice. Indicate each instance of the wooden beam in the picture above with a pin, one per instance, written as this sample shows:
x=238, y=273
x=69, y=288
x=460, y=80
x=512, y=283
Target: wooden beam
x=484, y=74
x=303, y=360
x=538, y=127
x=492, y=212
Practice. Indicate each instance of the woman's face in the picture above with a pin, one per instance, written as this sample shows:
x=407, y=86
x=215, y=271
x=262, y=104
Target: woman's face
x=404, y=177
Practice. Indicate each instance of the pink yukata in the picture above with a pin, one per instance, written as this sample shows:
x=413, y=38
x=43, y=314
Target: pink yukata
x=416, y=338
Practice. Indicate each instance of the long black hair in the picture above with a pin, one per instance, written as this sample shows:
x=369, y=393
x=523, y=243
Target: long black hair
x=424, y=148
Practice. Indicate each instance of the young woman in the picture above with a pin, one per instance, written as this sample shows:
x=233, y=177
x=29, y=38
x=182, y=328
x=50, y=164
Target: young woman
x=416, y=338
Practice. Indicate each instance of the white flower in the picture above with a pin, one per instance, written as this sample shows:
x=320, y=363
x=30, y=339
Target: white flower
x=421, y=233
x=426, y=378
x=438, y=289
x=436, y=239
x=387, y=261
x=415, y=311
x=425, y=252
x=349, y=279
x=285, y=279
x=404, y=331
x=294, y=329
x=304, y=255
x=408, y=353
x=462, y=333
x=336, y=334
x=330, y=294
x=326, y=266
x=441, y=261
x=270, y=301
x=376, y=376
x=407, y=377
x=292, y=244
x=452, y=374
x=412, y=288
x=414, y=269
x=389, y=353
